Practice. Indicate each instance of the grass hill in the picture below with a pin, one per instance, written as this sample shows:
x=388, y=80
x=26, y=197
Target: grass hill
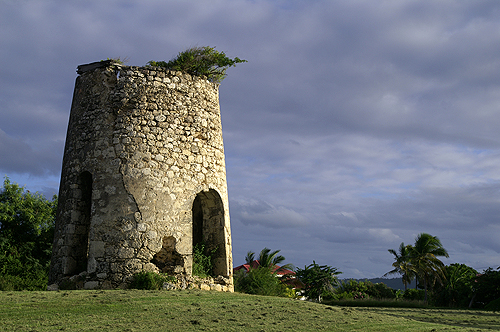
x=190, y=310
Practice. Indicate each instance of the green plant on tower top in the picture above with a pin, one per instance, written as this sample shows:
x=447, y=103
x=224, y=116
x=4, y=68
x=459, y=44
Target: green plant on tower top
x=200, y=61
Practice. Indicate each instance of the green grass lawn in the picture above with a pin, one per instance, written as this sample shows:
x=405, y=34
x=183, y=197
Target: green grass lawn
x=137, y=310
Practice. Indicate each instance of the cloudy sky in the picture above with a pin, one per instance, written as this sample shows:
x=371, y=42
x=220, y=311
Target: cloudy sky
x=354, y=126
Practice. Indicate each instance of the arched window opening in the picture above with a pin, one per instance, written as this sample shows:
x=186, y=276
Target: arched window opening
x=82, y=223
x=208, y=228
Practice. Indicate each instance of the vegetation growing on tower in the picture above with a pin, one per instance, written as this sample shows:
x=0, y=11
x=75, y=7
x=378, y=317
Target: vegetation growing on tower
x=200, y=61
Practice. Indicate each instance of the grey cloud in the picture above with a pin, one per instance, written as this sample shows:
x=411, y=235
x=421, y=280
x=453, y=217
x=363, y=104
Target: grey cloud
x=262, y=213
x=18, y=157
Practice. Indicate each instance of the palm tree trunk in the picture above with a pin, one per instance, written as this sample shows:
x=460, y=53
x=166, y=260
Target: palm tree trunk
x=472, y=300
x=425, y=290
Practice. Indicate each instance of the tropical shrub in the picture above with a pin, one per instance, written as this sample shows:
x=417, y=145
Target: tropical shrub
x=399, y=294
x=458, y=288
x=381, y=291
x=262, y=277
x=337, y=294
x=363, y=290
x=352, y=287
x=260, y=281
x=200, y=61
x=493, y=305
x=413, y=294
x=317, y=280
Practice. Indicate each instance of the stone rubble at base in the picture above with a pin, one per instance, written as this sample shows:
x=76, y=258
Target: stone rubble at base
x=182, y=281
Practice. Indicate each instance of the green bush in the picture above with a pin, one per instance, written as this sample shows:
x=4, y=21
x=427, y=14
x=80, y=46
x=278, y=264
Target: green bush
x=362, y=290
x=200, y=61
x=260, y=281
x=337, y=295
x=150, y=280
x=493, y=305
x=399, y=294
x=203, y=260
x=381, y=291
x=365, y=293
x=352, y=286
x=34, y=282
x=412, y=294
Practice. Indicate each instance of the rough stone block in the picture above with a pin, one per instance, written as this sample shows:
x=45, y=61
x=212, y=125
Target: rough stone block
x=96, y=248
x=53, y=287
x=91, y=285
x=141, y=227
x=216, y=287
x=204, y=287
x=124, y=253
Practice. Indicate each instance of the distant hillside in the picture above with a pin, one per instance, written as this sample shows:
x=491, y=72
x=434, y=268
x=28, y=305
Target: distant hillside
x=394, y=283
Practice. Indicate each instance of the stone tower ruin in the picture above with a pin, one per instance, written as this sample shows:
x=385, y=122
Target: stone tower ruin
x=143, y=178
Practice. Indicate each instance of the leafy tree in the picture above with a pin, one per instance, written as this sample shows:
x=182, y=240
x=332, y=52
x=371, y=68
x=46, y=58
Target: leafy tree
x=487, y=287
x=201, y=61
x=458, y=289
x=424, y=261
x=317, y=279
x=402, y=264
x=26, y=234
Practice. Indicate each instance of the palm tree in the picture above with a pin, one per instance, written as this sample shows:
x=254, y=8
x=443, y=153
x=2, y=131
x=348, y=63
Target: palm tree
x=250, y=257
x=424, y=261
x=272, y=259
x=268, y=259
x=402, y=264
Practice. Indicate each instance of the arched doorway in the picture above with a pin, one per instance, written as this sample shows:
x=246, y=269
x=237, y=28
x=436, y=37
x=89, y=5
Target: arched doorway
x=208, y=228
x=81, y=222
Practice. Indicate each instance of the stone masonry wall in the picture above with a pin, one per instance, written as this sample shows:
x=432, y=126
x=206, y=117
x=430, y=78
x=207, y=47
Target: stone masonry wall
x=143, y=176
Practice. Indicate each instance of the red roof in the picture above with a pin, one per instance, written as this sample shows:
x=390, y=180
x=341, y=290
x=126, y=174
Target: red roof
x=255, y=264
